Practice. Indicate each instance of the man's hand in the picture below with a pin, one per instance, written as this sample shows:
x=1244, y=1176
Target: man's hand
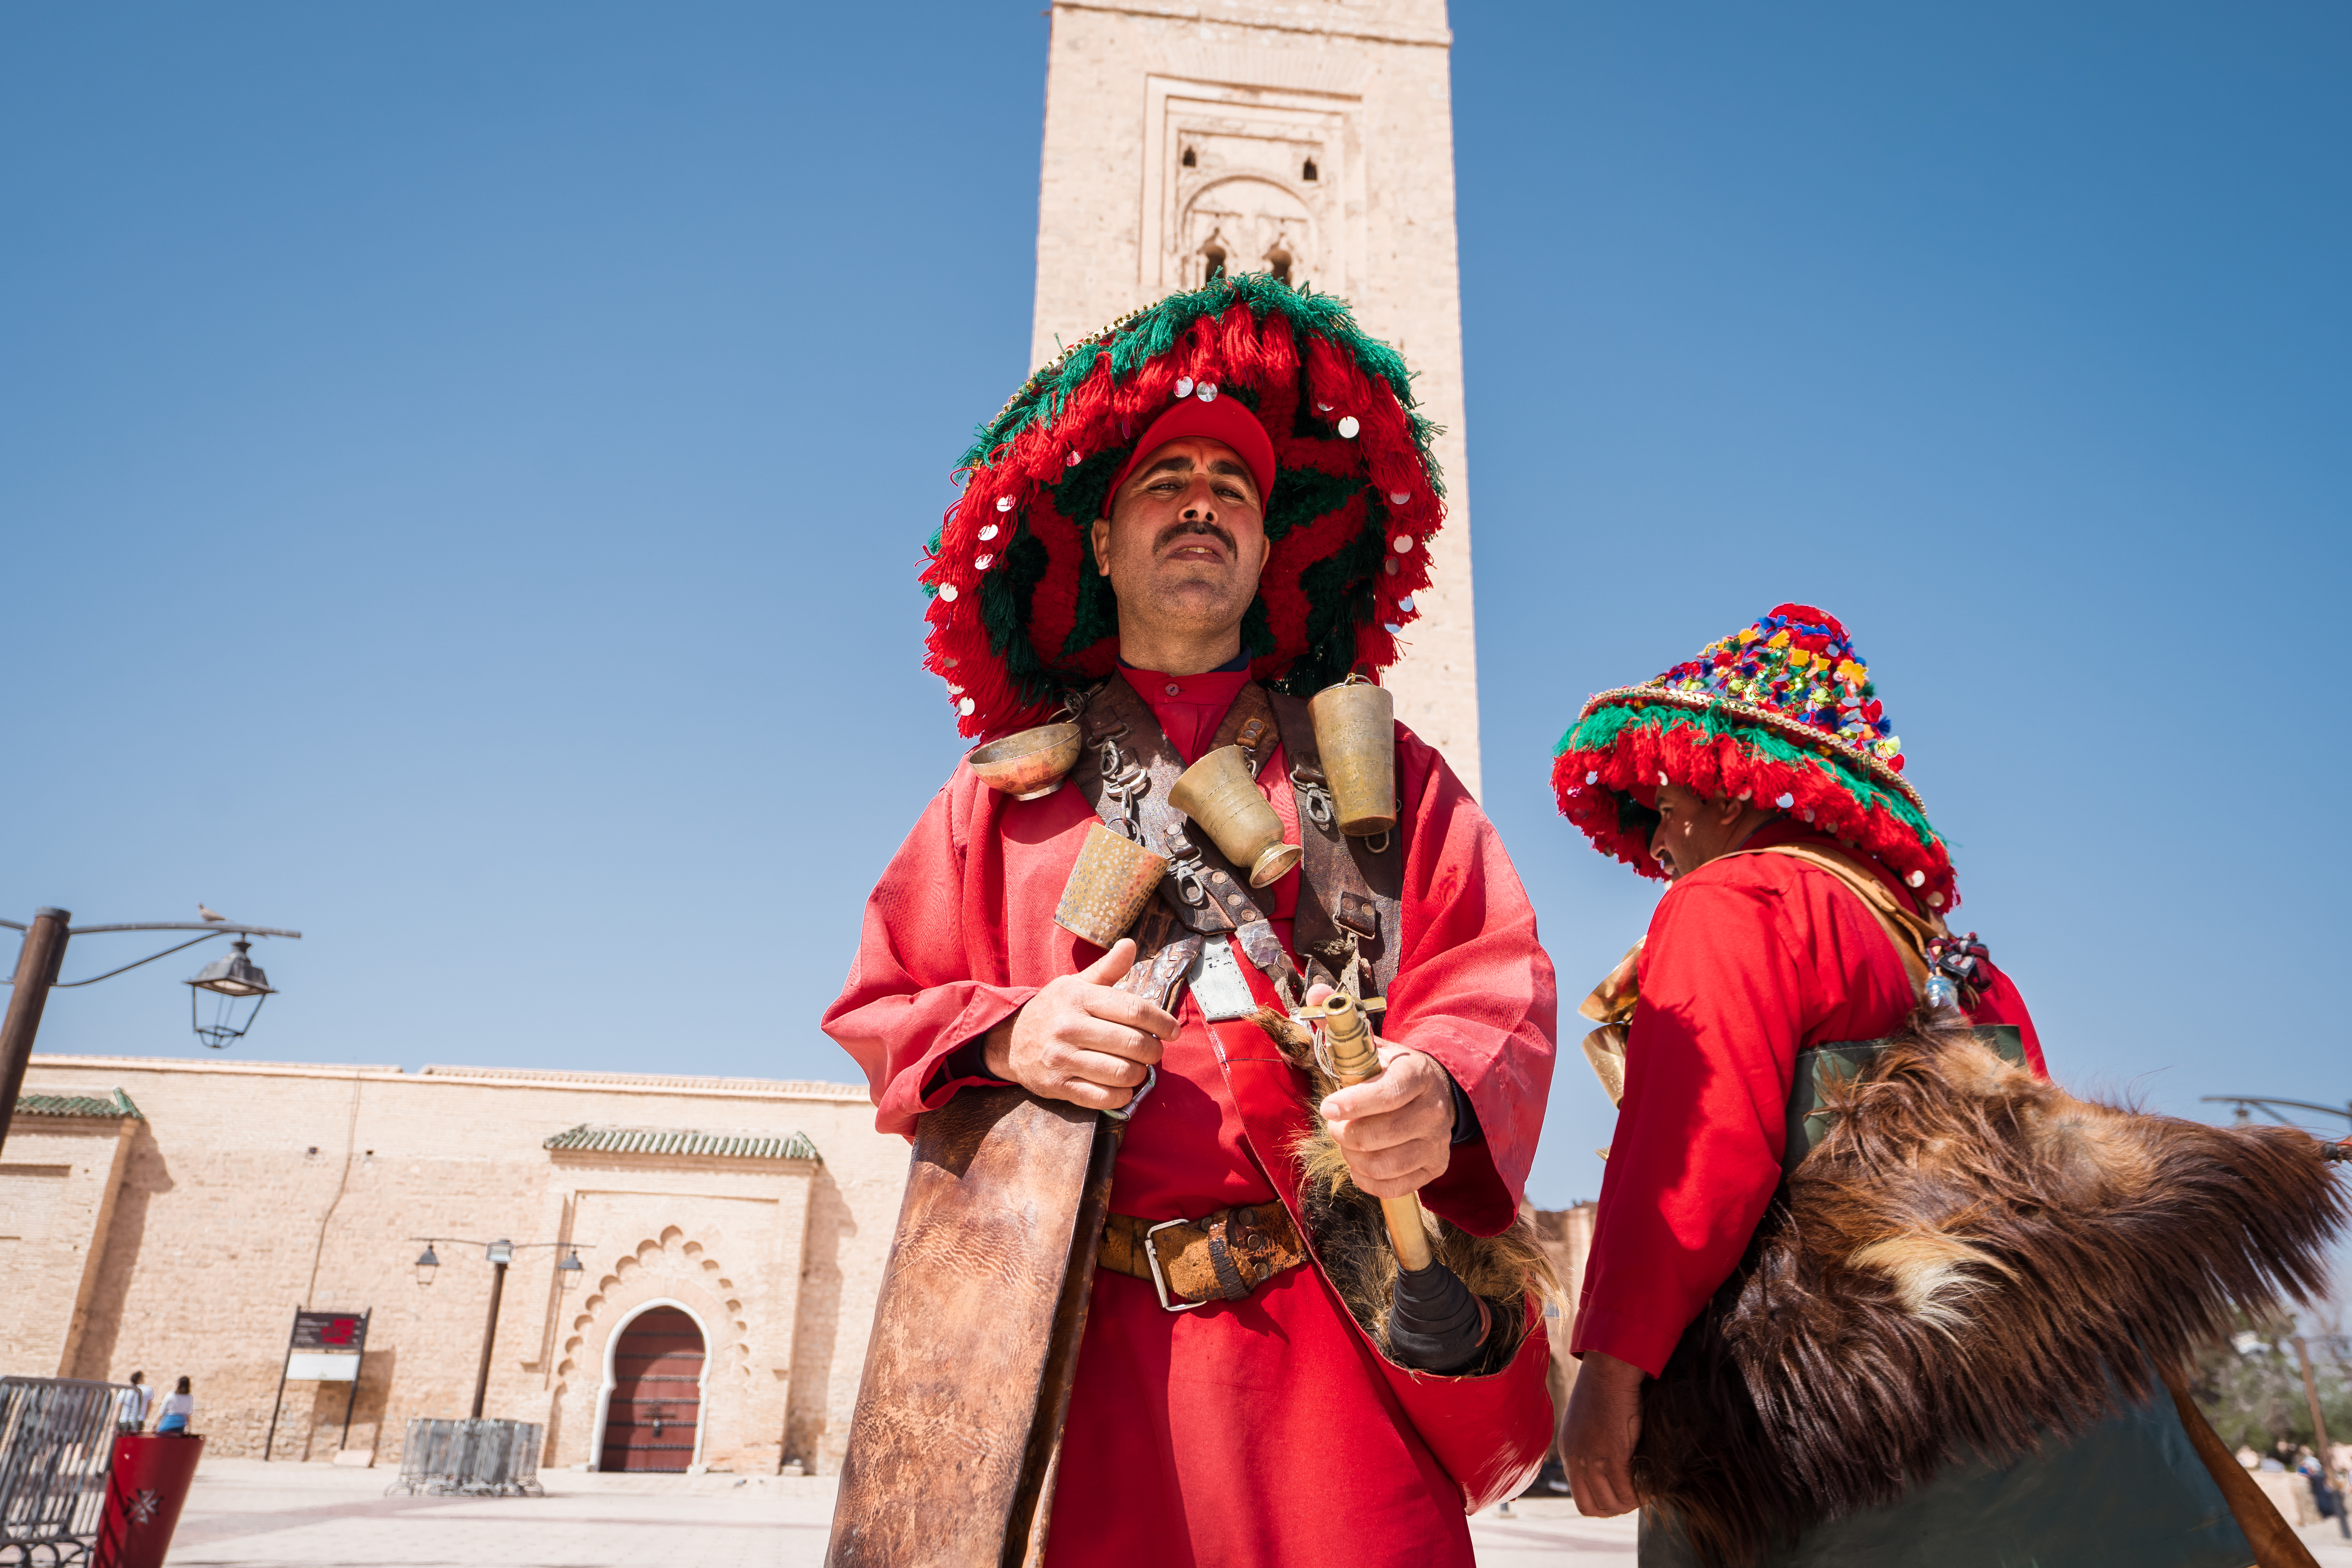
x=1396, y=1131
x=1604, y=1422
x=1079, y=1040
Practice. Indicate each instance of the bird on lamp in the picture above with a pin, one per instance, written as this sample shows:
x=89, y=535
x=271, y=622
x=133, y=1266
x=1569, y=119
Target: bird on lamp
x=210, y=914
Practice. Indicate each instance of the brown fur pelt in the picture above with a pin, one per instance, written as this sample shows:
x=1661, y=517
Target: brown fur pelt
x=1350, y=1235
x=1971, y=1260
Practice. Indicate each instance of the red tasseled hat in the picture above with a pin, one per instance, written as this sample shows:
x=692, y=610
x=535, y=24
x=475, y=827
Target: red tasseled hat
x=1781, y=712
x=1321, y=412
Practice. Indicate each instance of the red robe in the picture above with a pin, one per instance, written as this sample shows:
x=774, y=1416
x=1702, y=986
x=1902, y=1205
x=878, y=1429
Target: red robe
x=1253, y=1431
x=1749, y=960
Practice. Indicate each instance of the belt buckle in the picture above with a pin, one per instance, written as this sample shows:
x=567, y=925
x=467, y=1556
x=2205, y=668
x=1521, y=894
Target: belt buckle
x=1160, y=1279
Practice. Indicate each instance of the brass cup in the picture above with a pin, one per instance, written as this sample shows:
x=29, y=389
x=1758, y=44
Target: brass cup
x=1218, y=793
x=1029, y=765
x=1108, y=887
x=1355, y=729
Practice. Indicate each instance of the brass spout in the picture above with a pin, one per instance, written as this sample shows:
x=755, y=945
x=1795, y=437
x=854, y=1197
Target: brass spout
x=1353, y=1058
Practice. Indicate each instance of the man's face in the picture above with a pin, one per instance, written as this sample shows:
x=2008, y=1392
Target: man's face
x=1185, y=540
x=1693, y=830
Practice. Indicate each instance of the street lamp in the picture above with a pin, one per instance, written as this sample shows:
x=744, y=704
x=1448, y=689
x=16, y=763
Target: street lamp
x=498, y=1253
x=43, y=953
x=233, y=980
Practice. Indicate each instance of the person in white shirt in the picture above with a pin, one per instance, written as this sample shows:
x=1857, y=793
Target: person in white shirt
x=179, y=1409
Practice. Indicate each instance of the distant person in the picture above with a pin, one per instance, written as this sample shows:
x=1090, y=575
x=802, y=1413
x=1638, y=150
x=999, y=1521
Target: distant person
x=131, y=1405
x=179, y=1409
x=2322, y=1490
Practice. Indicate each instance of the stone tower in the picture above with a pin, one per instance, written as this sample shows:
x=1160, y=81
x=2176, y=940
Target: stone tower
x=1313, y=139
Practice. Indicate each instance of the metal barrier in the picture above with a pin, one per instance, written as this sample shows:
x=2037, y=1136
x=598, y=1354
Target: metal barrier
x=56, y=1441
x=469, y=1458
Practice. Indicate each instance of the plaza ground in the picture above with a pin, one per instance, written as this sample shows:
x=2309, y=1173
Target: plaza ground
x=246, y=1514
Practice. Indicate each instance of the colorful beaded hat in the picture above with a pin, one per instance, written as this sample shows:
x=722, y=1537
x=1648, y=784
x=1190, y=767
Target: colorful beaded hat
x=1782, y=713
x=1018, y=613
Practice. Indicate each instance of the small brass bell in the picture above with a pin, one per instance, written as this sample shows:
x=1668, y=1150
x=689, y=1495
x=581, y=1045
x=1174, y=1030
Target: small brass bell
x=1218, y=792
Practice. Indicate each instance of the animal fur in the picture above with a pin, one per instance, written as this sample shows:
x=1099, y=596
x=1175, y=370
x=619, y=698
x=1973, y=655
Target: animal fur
x=1971, y=1261
x=1351, y=1237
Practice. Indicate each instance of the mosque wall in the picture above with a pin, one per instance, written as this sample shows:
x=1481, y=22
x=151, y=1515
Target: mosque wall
x=179, y=1234
x=1312, y=139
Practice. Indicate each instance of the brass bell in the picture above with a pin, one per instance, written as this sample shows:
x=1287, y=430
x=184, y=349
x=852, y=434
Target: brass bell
x=1218, y=792
x=1355, y=731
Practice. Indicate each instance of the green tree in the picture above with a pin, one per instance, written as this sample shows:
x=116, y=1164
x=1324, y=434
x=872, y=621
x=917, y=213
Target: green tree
x=2250, y=1387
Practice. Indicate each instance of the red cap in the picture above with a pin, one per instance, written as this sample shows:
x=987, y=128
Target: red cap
x=1215, y=418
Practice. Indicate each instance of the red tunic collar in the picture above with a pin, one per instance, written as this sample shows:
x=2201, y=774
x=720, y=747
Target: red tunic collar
x=1189, y=707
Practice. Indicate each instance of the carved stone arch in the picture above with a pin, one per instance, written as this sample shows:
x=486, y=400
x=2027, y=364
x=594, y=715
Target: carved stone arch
x=668, y=1268
x=1250, y=215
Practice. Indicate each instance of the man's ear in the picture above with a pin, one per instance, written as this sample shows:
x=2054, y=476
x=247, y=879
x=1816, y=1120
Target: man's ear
x=1730, y=809
x=1098, y=532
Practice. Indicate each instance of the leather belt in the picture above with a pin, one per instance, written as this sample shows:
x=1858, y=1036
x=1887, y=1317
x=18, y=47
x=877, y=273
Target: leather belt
x=1222, y=1256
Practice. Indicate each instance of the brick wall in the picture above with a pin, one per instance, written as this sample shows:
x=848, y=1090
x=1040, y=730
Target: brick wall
x=247, y=1190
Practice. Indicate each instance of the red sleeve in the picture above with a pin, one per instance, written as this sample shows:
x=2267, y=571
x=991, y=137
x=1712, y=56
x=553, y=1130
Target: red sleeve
x=1999, y=1003
x=1474, y=987
x=1696, y=1152
x=910, y=998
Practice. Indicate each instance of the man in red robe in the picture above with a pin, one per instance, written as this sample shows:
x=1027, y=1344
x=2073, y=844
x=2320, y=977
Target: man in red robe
x=1257, y=1430
x=1763, y=780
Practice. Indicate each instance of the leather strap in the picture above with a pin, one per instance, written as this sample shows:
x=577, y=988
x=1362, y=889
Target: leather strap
x=1126, y=774
x=1222, y=1256
x=1905, y=926
x=1350, y=901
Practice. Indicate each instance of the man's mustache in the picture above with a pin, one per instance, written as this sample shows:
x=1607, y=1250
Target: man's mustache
x=1177, y=531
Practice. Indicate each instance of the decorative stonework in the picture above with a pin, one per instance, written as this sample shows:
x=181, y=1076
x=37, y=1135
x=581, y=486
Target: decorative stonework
x=667, y=1269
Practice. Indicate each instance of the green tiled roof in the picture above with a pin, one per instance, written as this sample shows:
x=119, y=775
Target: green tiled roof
x=585, y=1139
x=78, y=1105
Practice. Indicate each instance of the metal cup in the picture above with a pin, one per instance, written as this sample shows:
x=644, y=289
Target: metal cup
x=1108, y=887
x=1218, y=793
x=1355, y=729
x=1029, y=766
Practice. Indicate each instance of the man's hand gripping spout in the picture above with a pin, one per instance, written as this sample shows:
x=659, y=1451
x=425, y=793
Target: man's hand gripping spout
x=1080, y=1040
x=1597, y=1440
x=1396, y=1133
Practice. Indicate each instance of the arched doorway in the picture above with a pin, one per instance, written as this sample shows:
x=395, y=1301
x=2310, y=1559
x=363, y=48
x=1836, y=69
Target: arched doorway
x=657, y=1401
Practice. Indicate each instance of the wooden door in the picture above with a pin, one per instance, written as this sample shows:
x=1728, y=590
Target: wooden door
x=656, y=1393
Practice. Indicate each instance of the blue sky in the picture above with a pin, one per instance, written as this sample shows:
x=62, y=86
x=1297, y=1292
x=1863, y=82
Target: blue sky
x=462, y=472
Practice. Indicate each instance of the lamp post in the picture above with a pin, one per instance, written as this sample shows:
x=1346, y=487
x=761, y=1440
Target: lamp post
x=43, y=954
x=499, y=1255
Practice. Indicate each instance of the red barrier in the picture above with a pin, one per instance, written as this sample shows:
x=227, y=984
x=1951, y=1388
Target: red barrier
x=145, y=1493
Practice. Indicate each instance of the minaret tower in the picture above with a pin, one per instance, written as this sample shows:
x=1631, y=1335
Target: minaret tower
x=1314, y=139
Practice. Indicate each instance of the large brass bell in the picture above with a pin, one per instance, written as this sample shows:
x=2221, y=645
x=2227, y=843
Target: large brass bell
x=1355, y=731
x=1219, y=794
